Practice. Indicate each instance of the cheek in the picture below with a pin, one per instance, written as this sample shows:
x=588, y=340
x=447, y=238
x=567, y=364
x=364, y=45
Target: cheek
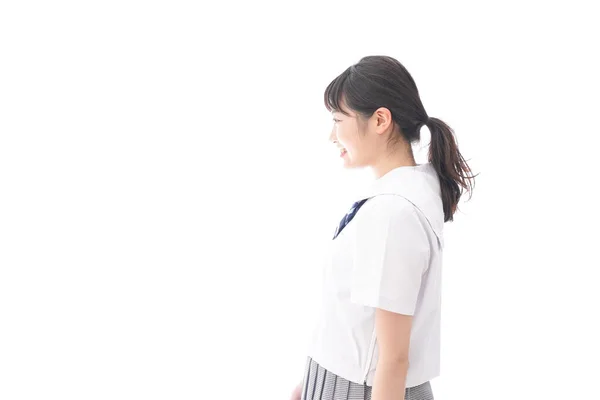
x=346, y=139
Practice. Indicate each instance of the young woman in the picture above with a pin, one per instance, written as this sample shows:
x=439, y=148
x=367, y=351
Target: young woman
x=378, y=335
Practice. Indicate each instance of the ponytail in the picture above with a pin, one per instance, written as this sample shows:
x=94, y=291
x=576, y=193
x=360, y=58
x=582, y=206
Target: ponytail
x=454, y=172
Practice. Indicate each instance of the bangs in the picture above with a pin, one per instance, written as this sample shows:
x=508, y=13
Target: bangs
x=334, y=93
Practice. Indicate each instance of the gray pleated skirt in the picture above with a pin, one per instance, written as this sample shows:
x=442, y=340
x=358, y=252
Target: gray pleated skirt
x=320, y=384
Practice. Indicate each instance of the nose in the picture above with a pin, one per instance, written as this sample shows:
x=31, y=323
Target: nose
x=332, y=136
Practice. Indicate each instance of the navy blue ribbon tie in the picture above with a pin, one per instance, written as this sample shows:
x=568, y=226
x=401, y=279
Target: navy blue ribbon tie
x=348, y=217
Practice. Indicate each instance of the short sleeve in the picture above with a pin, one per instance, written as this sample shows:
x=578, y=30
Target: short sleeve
x=392, y=253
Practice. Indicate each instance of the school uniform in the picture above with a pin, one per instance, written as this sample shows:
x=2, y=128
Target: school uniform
x=386, y=253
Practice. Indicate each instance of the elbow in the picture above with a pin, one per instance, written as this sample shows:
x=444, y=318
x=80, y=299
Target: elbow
x=395, y=360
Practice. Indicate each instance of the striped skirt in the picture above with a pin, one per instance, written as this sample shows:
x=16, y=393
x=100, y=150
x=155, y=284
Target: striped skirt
x=320, y=384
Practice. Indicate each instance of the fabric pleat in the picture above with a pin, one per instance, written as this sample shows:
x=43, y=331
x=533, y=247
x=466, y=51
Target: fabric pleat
x=320, y=384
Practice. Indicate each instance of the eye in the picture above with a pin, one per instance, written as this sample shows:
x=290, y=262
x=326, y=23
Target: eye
x=336, y=120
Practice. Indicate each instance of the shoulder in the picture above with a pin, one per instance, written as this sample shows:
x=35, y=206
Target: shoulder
x=390, y=216
x=389, y=232
x=389, y=207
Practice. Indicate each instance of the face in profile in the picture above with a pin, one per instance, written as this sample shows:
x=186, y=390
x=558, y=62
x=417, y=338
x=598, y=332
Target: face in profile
x=352, y=136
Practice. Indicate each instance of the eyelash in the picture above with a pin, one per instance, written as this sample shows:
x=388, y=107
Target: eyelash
x=336, y=120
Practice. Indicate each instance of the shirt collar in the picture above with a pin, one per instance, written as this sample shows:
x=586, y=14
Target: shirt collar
x=418, y=184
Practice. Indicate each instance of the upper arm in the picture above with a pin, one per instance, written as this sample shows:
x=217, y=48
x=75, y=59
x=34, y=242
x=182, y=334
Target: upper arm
x=392, y=253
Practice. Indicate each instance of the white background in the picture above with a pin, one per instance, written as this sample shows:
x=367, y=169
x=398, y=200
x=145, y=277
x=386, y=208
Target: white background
x=166, y=189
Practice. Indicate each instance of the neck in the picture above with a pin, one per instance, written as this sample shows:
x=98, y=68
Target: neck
x=386, y=164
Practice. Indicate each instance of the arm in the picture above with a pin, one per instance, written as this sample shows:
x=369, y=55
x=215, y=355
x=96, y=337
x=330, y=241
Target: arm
x=393, y=335
x=297, y=393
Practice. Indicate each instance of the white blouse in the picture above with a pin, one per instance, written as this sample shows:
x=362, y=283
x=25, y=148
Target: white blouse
x=389, y=256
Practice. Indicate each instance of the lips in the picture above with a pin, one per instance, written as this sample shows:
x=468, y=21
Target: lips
x=343, y=152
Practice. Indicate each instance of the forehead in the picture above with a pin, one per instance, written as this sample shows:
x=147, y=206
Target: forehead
x=344, y=110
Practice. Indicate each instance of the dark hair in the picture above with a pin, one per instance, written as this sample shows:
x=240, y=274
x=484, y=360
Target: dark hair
x=381, y=81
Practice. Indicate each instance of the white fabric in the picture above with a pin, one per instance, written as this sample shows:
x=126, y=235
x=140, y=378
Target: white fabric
x=389, y=256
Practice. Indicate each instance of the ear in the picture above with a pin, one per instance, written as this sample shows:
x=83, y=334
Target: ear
x=382, y=119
